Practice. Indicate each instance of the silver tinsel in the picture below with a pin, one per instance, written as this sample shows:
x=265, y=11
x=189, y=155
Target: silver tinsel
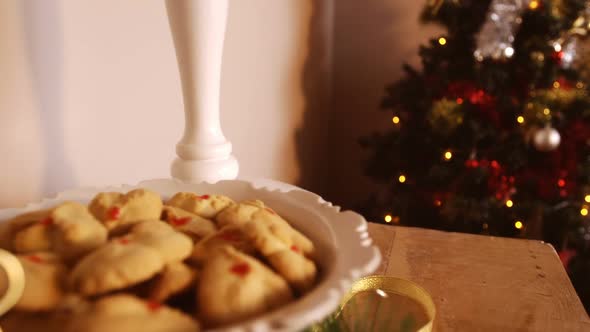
x=497, y=33
x=567, y=44
x=569, y=52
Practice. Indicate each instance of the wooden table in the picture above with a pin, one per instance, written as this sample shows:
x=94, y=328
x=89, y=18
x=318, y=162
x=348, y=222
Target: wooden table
x=483, y=283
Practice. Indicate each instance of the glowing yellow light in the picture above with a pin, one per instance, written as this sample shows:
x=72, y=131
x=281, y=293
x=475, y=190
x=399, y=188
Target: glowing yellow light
x=442, y=40
x=518, y=224
x=388, y=218
x=438, y=202
x=546, y=111
x=579, y=85
x=485, y=226
x=448, y=155
x=509, y=203
x=395, y=119
x=534, y=4
x=587, y=198
x=402, y=178
x=520, y=119
x=584, y=211
x=556, y=85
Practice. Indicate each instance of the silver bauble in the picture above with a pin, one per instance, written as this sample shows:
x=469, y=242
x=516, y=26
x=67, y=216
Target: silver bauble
x=546, y=139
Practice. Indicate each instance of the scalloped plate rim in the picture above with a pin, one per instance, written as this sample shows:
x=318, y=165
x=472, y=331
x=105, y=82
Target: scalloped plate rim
x=289, y=317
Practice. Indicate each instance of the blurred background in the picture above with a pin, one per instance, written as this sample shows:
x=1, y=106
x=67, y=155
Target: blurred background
x=490, y=131
x=90, y=93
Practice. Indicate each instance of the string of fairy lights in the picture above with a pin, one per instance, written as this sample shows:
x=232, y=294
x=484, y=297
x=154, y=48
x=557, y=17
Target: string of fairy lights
x=447, y=155
x=535, y=112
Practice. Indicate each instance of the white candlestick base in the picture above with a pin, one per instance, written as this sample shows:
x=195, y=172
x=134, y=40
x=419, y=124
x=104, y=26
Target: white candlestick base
x=205, y=170
x=198, y=31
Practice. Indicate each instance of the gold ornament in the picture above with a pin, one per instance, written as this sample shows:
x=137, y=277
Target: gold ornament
x=557, y=97
x=538, y=58
x=556, y=8
x=445, y=116
x=535, y=111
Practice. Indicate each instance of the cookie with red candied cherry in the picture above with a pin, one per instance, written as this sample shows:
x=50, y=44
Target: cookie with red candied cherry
x=289, y=261
x=68, y=229
x=36, y=237
x=174, y=279
x=206, y=206
x=172, y=246
x=45, y=274
x=188, y=223
x=9, y=228
x=227, y=236
x=119, y=264
x=234, y=286
x=27, y=321
x=125, y=313
x=258, y=212
x=119, y=211
x=240, y=213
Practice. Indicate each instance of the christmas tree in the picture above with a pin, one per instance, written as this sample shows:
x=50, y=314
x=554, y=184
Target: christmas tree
x=492, y=134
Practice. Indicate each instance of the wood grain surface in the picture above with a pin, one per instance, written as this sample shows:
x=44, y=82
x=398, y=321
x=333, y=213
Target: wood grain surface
x=483, y=283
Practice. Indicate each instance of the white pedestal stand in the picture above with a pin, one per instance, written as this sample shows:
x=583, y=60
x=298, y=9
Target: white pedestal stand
x=198, y=30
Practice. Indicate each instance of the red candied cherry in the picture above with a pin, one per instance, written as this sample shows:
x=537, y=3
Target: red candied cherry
x=124, y=240
x=153, y=305
x=46, y=221
x=230, y=236
x=35, y=259
x=114, y=213
x=180, y=221
x=240, y=269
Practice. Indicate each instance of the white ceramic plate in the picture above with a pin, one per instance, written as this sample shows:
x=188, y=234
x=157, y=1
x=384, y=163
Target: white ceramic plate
x=343, y=246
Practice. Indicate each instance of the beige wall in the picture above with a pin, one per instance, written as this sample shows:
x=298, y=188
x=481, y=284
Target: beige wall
x=372, y=39
x=90, y=92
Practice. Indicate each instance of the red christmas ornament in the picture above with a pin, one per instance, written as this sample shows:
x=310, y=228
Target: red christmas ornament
x=564, y=83
x=566, y=256
x=295, y=249
x=240, y=269
x=557, y=57
x=466, y=90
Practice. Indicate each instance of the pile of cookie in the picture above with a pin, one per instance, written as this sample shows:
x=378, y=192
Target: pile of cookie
x=130, y=262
